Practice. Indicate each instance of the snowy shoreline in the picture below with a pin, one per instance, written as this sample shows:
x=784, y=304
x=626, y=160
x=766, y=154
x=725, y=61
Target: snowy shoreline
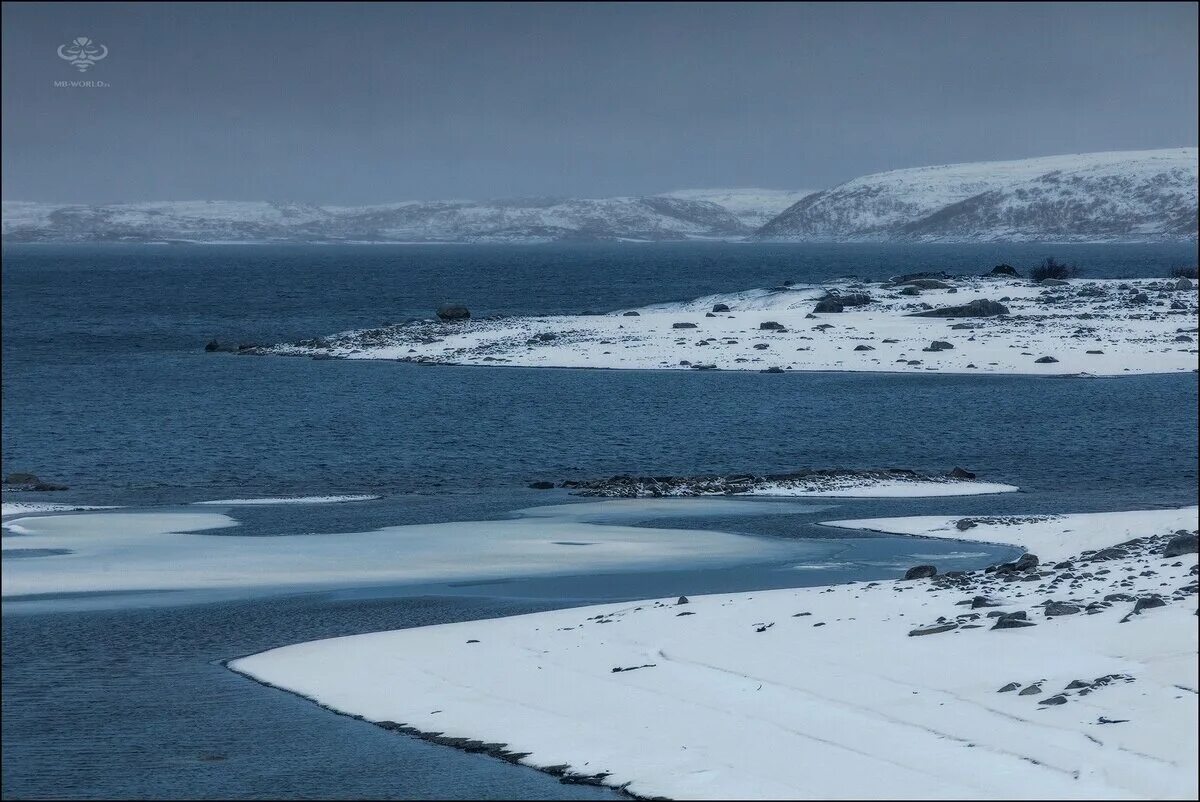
x=1102, y=327
x=883, y=689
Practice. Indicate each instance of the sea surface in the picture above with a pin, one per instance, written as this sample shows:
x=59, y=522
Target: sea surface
x=106, y=388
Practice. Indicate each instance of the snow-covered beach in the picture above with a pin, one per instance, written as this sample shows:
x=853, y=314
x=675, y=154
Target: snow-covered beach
x=945, y=324
x=1072, y=676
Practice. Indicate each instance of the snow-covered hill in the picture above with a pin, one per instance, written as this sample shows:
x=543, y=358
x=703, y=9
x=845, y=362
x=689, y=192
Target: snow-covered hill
x=1118, y=196
x=519, y=220
x=754, y=207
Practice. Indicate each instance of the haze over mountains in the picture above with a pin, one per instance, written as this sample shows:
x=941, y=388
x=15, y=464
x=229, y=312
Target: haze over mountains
x=1127, y=196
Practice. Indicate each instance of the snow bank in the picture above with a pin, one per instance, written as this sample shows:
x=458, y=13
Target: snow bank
x=255, y=502
x=1105, y=327
x=817, y=692
x=890, y=489
x=28, y=507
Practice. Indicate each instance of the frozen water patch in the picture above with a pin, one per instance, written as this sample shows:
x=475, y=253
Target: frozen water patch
x=166, y=550
x=255, y=502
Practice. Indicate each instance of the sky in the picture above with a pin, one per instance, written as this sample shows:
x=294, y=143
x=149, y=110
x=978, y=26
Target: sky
x=349, y=104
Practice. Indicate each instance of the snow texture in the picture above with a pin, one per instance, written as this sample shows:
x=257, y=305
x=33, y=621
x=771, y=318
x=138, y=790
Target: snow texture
x=896, y=690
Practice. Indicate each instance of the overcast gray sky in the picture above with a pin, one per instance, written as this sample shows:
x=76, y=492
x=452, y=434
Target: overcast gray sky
x=350, y=104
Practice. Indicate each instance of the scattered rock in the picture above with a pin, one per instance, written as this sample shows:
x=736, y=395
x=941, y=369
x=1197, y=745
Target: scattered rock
x=1182, y=543
x=933, y=630
x=450, y=312
x=1060, y=608
x=978, y=308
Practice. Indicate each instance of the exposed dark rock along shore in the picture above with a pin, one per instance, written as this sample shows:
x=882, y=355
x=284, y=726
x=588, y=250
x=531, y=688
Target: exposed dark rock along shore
x=628, y=486
x=29, y=481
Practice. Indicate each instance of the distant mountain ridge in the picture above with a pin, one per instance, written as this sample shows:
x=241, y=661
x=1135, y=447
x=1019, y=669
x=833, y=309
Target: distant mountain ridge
x=1128, y=196
x=650, y=218
x=1090, y=197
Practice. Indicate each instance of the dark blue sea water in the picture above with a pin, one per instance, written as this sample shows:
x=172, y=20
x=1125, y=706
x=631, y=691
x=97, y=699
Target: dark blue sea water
x=106, y=388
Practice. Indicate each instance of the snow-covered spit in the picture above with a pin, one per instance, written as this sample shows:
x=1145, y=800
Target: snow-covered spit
x=821, y=483
x=1102, y=327
x=1133, y=196
x=1073, y=677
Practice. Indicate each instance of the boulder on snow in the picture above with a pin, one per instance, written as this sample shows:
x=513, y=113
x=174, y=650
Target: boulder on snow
x=450, y=312
x=978, y=308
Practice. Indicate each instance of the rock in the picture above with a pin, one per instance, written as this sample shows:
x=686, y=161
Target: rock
x=1026, y=561
x=773, y=369
x=1096, y=351
x=212, y=345
x=828, y=304
x=683, y=325
x=920, y=572
x=1109, y=553
x=1012, y=686
x=983, y=601
x=1004, y=270
x=1183, y=284
x=933, y=630
x=910, y=291
x=854, y=299
x=863, y=348
x=1057, y=699
x=1182, y=543
x=771, y=325
x=1119, y=597
x=926, y=284
x=939, y=345
x=1013, y=621
x=963, y=524
x=450, y=312
x=21, y=479
x=632, y=314
x=1032, y=690
x=720, y=308
x=1140, y=298
x=978, y=308
x=542, y=485
x=1060, y=608
x=1044, y=360
x=1076, y=684
x=682, y=600
x=1147, y=603
x=761, y=346
x=1053, y=282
